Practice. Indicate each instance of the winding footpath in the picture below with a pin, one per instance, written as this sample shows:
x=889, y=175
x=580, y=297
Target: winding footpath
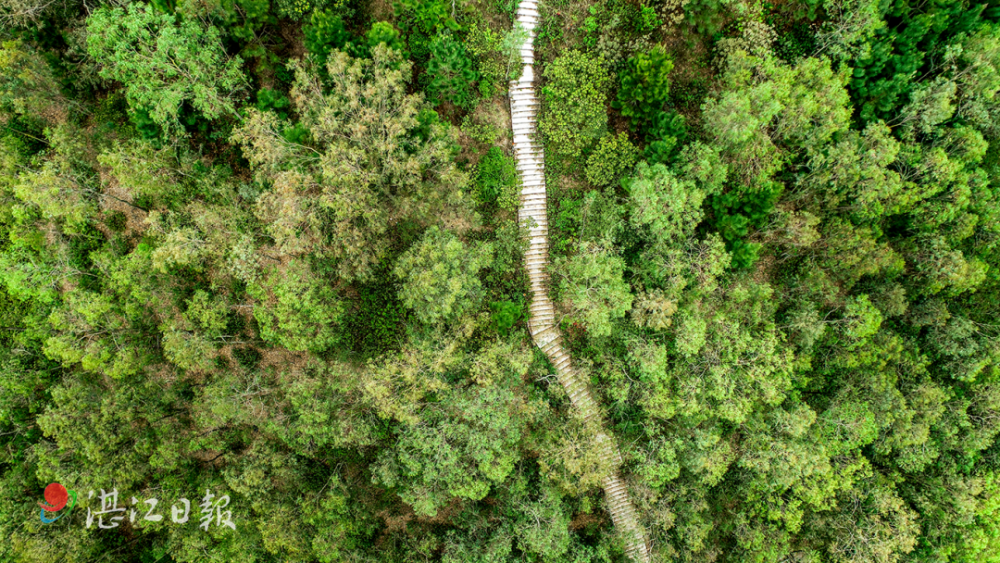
x=542, y=324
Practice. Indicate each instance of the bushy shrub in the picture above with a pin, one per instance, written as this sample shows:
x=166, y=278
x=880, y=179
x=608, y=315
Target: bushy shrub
x=602, y=216
x=646, y=19
x=591, y=27
x=383, y=32
x=497, y=56
x=506, y=279
x=735, y=214
x=324, y=33
x=672, y=11
x=165, y=63
x=645, y=86
x=612, y=158
x=293, y=9
x=480, y=132
x=506, y=314
x=239, y=19
x=497, y=179
x=298, y=309
x=749, y=34
x=615, y=28
x=797, y=42
x=421, y=21
x=116, y=221
x=272, y=100
x=574, y=116
x=665, y=135
x=708, y=17
x=450, y=73
x=439, y=276
x=144, y=124
x=591, y=283
x=564, y=224
x=378, y=324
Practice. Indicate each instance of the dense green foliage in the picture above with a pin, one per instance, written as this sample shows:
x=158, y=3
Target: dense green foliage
x=269, y=250
x=497, y=180
x=450, y=72
x=770, y=304
x=575, y=94
x=645, y=86
x=498, y=56
x=164, y=65
x=612, y=158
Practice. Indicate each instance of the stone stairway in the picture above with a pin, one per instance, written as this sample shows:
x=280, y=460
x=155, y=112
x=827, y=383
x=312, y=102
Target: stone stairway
x=542, y=323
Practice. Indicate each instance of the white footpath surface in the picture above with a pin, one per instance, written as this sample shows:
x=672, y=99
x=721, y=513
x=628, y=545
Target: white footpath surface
x=542, y=324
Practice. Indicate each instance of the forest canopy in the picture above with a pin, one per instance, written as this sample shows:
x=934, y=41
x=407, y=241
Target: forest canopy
x=267, y=251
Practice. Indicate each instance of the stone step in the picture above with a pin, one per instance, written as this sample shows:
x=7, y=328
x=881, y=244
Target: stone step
x=539, y=263
x=563, y=363
x=542, y=309
x=551, y=344
x=537, y=166
x=543, y=319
